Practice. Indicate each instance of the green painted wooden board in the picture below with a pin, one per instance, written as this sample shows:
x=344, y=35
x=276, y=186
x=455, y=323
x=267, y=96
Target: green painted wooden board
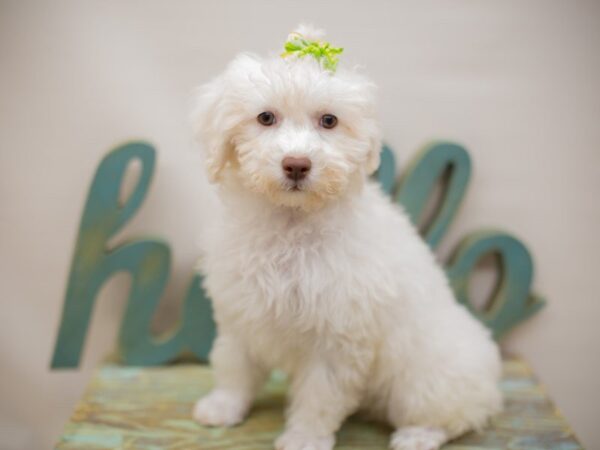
x=149, y=408
x=148, y=261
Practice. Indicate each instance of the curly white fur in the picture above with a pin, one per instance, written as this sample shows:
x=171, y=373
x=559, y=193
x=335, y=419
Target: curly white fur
x=327, y=279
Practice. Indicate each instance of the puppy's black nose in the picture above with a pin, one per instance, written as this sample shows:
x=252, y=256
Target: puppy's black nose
x=296, y=168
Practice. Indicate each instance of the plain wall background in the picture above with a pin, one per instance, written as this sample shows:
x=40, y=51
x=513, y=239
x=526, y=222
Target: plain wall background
x=516, y=81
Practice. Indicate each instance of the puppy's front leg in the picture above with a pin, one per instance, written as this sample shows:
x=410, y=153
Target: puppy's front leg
x=237, y=379
x=323, y=394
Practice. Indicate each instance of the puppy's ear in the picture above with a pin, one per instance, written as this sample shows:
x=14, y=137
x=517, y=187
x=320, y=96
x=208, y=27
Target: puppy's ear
x=220, y=106
x=367, y=125
x=212, y=126
x=374, y=156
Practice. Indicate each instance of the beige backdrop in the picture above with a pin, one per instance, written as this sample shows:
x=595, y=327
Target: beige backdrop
x=516, y=81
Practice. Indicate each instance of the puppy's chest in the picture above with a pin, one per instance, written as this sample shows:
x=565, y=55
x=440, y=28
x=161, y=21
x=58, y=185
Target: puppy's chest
x=288, y=265
x=285, y=273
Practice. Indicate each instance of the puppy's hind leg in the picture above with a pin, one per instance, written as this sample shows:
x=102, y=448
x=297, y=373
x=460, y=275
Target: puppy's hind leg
x=237, y=379
x=418, y=438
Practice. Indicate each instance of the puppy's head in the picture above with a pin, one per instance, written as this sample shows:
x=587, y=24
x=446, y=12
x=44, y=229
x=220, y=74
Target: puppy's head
x=289, y=129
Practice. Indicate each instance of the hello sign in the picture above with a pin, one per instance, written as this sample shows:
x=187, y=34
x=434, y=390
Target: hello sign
x=440, y=165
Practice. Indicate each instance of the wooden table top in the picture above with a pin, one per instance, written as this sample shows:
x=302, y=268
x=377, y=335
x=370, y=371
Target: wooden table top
x=149, y=408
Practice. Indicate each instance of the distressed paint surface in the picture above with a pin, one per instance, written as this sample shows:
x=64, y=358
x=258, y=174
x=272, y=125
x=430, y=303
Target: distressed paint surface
x=150, y=409
x=148, y=263
x=442, y=163
x=511, y=300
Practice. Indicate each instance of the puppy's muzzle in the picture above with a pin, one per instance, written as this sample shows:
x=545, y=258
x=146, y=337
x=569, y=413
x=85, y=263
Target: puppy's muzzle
x=296, y=169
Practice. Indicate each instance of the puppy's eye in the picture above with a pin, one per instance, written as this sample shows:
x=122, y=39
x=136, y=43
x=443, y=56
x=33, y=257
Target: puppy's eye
x=328, y=121
x=266, y=118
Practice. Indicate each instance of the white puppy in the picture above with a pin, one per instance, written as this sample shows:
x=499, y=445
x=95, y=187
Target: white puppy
x=313, y=270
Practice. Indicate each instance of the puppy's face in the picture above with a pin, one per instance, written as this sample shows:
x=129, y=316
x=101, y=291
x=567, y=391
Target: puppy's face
x=288, y=130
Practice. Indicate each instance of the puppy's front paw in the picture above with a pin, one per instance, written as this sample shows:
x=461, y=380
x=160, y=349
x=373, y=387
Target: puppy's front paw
x=418, y=438
x=295, y=440
x=221, y=408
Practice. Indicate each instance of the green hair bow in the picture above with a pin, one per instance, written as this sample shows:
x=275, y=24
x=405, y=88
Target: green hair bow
x=321, y=51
